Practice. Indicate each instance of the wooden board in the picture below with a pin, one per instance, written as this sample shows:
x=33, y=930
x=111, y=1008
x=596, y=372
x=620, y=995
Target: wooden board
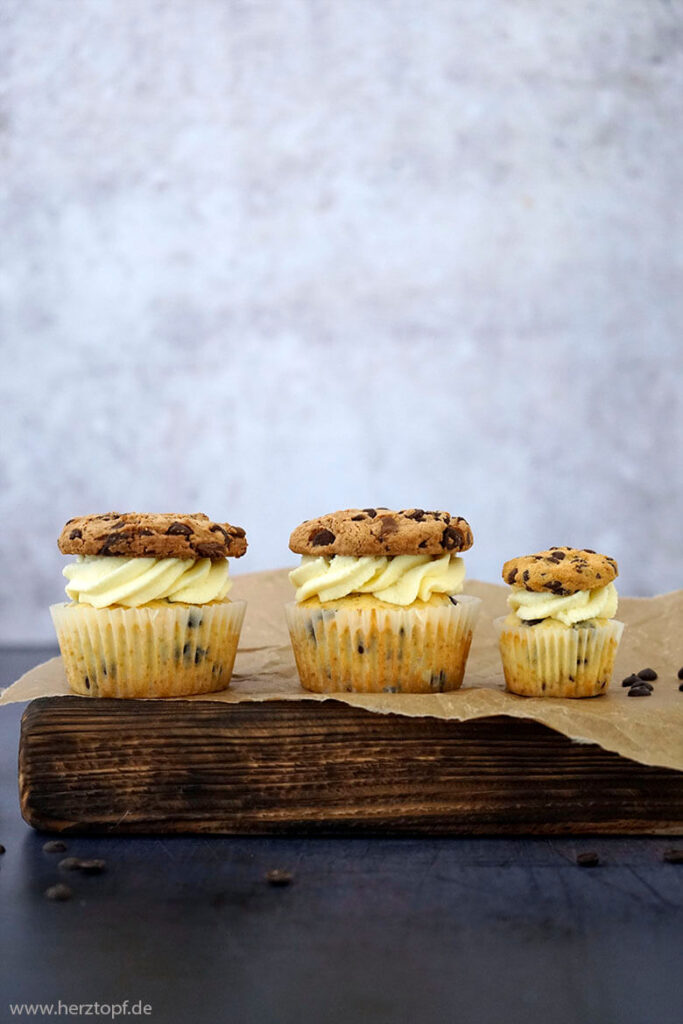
x=121, y=767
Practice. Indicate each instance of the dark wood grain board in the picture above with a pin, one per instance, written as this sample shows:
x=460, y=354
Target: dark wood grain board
x=143, y=767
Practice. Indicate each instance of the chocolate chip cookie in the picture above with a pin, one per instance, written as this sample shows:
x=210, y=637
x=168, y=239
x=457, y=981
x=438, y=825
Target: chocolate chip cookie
x=158, y=535
x=381, y=531
x=561, y=571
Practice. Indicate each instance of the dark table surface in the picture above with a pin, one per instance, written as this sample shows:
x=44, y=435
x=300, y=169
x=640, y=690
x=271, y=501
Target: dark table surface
x=370, y=930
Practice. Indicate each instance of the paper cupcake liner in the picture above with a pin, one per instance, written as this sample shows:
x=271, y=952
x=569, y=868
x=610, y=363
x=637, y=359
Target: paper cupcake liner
x=558, y=662
x=382, y=650
x=156, y=650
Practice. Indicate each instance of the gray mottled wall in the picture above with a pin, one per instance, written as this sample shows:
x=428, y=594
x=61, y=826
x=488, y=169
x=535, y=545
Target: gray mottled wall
x=267, y=259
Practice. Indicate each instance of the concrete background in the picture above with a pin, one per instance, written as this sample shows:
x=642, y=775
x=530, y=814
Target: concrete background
x=268, y=259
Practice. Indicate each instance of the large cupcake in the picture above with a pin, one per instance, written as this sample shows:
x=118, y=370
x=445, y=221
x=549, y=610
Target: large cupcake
x=149, y=614
x=560, y=637
x=379, y=604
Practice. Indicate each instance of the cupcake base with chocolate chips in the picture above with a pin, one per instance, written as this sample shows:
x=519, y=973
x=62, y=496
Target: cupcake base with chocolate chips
x=560, y=639
x=149, y=613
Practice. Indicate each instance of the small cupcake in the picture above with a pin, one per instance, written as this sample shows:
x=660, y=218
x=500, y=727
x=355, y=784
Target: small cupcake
x=379, y=605
x=560, y=637
x=149, y=614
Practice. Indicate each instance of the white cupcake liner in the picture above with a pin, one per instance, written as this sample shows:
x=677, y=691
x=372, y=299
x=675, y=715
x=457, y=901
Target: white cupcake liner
x=382, y=650
x=156, y=650
x=549, y=662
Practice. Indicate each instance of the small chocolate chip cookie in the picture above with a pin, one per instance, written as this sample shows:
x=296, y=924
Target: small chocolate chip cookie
x=561, y=571
x=158, y=535
x=381, y=531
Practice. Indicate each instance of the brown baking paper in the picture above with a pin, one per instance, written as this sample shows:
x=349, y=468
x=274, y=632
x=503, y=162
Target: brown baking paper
x=645, y=729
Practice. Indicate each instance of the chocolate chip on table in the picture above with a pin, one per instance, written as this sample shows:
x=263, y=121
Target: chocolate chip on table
x=680, y=672
x=70, y=863
x=2, y=848
x=88, y=867
x=588, y=860
x=648, y=674
x=673, y=856
x=681, y=687
x=95, y=866
x=631, y=680
x=54, y=846
x=59, y=892
x=278, y=877
x=641, y=690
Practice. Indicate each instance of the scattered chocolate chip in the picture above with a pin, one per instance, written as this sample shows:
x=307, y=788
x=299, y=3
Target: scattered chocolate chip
x=322, y=537
x=54, y=846
x=452, y=599
x=681, y=687
x=648, y=674
x=2, y=849
x=588, y=860
x=70, y=863
x=372, y=512
x=631, y=680
x=278, y=877
x=92, y=867
x=680, y=673
x=75, y=534
x=59, y=892
x=641, y=690
x=673, y=856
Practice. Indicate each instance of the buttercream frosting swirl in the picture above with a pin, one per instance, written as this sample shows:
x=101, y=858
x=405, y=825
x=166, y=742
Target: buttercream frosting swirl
x=398, y=580
x=600, y=603
x=105, y=580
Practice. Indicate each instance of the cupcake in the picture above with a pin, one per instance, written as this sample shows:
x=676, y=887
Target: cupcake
x=149, y=614
x=560, y=637
x=379, y=605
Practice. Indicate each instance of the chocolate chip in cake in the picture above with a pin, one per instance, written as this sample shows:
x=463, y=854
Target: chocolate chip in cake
x=588, y=860
x=452, y=599
x=54, y=846
x=641, y=690
x=648, y=674
x=361, y=649
x=59, y=893
x=279, y=877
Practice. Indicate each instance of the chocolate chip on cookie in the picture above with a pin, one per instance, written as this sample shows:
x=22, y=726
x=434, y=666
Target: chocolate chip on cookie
x=152, y=535
x=381, y=531
x=560, y=571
